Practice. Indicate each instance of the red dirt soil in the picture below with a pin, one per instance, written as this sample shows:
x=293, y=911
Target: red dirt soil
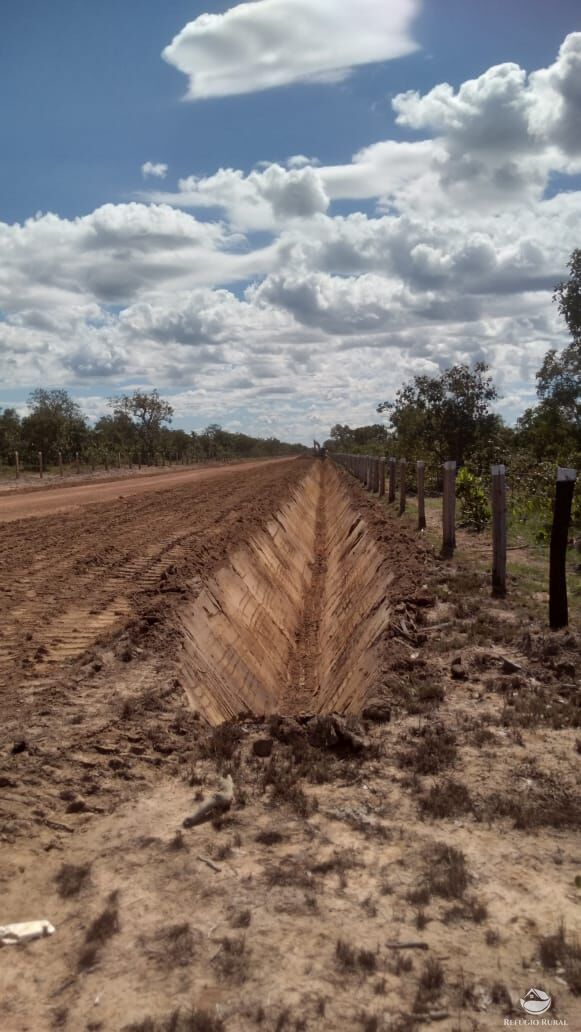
x=55, y=498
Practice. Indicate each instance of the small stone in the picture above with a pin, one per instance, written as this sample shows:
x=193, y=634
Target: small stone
x=378, y=712
x=19, y=747
x=77, y=806
x=7, y=782
x=457, y=669
x=262, y=747
x=508, y=667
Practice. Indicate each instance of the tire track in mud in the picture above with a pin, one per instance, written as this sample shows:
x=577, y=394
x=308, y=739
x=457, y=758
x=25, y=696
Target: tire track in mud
x=71, y=580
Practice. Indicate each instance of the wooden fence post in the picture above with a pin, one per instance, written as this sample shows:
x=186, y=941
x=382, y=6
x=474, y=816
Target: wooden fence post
x=40, y=469
x=118, y=460
x=368, y=484
x=61, y=470
x=558, y=607
x=498, y=531
x=381, y=487
x=449, y=508
x=17, y=462
x=78, y=462
x=402, y=485
x=421, y=498
x=391, y=488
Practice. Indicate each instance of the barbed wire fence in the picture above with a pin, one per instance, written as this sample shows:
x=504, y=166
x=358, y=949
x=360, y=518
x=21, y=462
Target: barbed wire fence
x=392, y=478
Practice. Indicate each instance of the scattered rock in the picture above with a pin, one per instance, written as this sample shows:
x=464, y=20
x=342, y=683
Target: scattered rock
x=262, y=747
x=19, y=747
x=379, y=712
x=509, y=667
x=7, y=782
x=565, y=669
x=285, y=729
x=77, y=806
x=333, y=732
x=218, y=804
x=458, y=670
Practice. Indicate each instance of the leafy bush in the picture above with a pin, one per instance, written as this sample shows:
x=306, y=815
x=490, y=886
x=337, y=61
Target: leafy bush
x=473, y=501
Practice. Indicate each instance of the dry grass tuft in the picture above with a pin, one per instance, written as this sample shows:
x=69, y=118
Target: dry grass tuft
x=558, y=950
x=446, y=873
x=434, y=749
x=71, y=878
x=233, y=960
x=348, y=958
x=285, y=789
x=179, y=1021
x=446, y=798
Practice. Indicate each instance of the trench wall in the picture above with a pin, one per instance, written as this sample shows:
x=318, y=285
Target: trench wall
x=240, y=633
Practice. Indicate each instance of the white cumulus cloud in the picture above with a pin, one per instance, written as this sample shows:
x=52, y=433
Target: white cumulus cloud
x=156, y=169
x=256, y=46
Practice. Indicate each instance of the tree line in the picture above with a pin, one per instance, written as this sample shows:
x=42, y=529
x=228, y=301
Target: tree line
x=450, y=416
x=137, y=429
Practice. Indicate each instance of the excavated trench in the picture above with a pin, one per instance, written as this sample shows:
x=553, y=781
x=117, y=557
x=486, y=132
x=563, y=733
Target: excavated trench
x=292, y=623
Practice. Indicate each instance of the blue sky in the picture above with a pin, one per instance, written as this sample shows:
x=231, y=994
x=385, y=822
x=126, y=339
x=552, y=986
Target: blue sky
x=299, y=280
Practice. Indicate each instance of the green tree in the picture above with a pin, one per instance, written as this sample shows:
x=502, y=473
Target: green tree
x=148, y=413
x=446, y=416
x=116, y=433
x=9, y=434
x=55, y=424
x=568, y=297
x=370, y=440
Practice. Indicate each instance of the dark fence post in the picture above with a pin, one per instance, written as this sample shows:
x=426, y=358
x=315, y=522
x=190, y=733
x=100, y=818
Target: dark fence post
x=391, y=487
x=498, y=531
x=402, y=485
x=558, y=607
x=421, y=498
x=449, y=508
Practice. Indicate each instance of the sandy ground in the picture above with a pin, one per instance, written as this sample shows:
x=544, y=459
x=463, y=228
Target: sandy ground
x=32, y=502
x=422, y=867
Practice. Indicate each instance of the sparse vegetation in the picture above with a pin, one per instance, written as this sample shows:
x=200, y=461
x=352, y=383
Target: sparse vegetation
x=282, y=780
x=445, y=872
x=561, y=950
x=349, y=958
x=232, y=960
x=71, y=878
x=446, y=798
x=433, y=750
x=101, y=929
x=179, y=1021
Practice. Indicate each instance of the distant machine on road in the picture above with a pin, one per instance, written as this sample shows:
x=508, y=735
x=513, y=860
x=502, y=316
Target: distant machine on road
x=318, y=451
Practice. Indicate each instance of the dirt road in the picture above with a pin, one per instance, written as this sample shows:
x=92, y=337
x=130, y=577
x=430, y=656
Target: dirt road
x=78, y=576
x=27, y=504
